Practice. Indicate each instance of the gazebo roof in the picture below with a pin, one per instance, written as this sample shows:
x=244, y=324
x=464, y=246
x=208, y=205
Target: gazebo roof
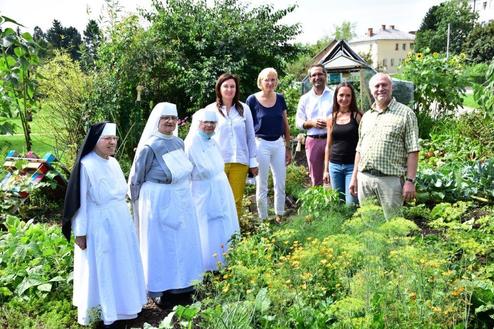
x=340, y=57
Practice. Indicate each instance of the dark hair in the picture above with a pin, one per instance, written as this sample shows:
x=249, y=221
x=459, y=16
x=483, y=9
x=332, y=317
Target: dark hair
x=353, y=103
x=317, y=65
x=219, y=99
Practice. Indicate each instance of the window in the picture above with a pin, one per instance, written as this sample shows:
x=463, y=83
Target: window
x=411, y=45
x=392, y=62
x=385, y=62
x=485, y=4
x=397, y=46
x=404, y=46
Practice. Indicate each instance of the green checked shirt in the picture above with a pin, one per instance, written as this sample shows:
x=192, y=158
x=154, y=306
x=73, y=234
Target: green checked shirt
x=386, y=138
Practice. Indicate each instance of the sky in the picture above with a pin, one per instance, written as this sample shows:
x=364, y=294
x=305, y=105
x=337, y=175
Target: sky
x=318, y=18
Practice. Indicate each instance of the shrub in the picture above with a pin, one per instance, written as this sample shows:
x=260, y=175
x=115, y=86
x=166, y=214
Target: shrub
x=439, y=81
x=66, y=91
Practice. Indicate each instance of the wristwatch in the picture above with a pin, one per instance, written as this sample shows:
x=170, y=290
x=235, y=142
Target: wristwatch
x=411, y=180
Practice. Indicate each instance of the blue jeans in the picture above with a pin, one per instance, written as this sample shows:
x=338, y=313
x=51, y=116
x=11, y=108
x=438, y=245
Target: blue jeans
x=340, y=175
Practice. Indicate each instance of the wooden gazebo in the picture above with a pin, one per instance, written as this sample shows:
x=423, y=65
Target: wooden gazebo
x=343, y=64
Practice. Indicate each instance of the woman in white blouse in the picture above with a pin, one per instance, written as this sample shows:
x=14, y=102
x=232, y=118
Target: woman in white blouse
x=234, y=135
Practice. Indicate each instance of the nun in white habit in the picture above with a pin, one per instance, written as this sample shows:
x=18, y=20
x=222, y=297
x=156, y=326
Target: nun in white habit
x=212, y=194
x=108, y=276
x=159, y=184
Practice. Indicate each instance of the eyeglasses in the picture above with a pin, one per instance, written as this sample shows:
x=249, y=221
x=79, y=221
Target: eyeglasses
x=169, y=117
x=110, y=138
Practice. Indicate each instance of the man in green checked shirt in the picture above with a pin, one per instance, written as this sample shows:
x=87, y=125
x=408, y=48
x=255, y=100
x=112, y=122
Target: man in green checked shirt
x=387, y=151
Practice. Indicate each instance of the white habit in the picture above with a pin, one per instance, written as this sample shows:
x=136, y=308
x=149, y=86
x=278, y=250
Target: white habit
x=213, y=198
x=108, y=275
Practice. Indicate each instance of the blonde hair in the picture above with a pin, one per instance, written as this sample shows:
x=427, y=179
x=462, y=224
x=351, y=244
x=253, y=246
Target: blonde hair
x=264, y=74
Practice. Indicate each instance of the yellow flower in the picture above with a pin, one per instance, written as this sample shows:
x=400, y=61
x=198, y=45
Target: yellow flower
x=226, y=288
x=419, y=56
x=435, y=55
x=457, y=292
x=323, y=261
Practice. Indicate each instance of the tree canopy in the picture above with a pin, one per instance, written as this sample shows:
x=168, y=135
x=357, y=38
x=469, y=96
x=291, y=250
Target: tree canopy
x=64, y=38
x=434, y=28
x=187, y=46
x=479, y=45
x=345, y=31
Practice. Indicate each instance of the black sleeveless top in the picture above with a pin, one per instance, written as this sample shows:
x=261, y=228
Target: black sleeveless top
x=345, y=138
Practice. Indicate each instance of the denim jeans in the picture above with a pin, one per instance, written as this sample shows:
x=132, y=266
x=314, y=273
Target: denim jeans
x=340, y=175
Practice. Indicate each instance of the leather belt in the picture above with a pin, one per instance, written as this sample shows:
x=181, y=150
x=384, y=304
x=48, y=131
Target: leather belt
x=318, y=136
x=374, y=172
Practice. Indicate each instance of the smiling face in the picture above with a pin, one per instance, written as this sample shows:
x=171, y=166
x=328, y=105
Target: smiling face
x=167, y=124
x=344, y=98
x=381, y=89
x=269, y=82
x=207, y=126
x=106, y=146
x=317, y=76
x=228, y=89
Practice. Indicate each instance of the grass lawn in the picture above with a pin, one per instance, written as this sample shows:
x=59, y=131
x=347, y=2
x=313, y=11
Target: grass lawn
x=41, y=143
x=43, y=140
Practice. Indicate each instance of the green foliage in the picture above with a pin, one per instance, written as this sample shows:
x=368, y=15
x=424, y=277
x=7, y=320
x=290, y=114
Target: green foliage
x=89, y=49
x=426, y=124
x=475, y=73
x=475, y=181
x=64, y=39
x=484, y=94
x=345, y=31
x=432, y=33
x=187, y=46
x=366, y=273
x=439, y=81
x=35, y=262
x=317, y=200
x=39, y=313
x=296, y=177
x=18, y=77
x=479, y=44
x=66, y=90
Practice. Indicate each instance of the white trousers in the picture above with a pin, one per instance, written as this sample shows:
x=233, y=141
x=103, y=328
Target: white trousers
x=270, y=154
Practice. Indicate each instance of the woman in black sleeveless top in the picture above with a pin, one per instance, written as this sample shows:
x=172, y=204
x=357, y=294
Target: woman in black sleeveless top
x=342, y=141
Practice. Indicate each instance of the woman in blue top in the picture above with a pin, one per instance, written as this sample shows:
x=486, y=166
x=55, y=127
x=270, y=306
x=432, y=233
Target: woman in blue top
x=342, y=140
x=270, y=125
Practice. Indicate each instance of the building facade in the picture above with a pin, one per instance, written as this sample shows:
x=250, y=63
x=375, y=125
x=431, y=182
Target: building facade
x=387, y=47
x=485, y=9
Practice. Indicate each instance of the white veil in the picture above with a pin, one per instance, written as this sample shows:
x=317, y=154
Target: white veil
x=200, y=115
x=151, y=127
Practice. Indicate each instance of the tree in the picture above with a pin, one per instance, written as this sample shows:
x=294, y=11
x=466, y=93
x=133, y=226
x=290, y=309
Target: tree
x=434, y=28
x=40, y=38
x=479, y=45
x=64, y=38
x=66, y=91
x=345, y=31
x=18, y=77
x=187, y=46
x=92, y=40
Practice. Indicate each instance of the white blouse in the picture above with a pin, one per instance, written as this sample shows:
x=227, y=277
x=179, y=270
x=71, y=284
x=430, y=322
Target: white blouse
x=235, y=135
